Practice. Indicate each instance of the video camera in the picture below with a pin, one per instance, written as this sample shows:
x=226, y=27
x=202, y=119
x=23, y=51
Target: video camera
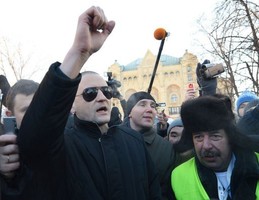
x=211, y=70
x=114, y=84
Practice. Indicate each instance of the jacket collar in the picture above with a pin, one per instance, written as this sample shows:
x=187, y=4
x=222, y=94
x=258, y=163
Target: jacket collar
x=149, y=135
x=90, y=128
x=243, y=179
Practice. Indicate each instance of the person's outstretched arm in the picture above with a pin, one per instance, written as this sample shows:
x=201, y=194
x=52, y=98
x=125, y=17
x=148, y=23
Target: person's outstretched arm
x=92, y=30
x=41, y=132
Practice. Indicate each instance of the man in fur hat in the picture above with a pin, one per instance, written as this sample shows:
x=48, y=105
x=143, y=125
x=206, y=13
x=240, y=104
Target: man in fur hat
x=225, y=165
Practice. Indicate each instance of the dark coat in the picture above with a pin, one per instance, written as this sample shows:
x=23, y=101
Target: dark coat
x=82, y=163
x=163, y=156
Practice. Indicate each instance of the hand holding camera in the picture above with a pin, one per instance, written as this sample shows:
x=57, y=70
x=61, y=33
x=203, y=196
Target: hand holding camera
x=114, y=84
x=206, y=76
x=211, y=70
x=9, y=155
x=162, y=120
x=190, y=92
x=9, y=125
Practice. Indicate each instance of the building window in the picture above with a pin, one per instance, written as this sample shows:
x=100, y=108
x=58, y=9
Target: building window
x=174, y=110
x=189, y=77
x=189, y=69
x=174, y=98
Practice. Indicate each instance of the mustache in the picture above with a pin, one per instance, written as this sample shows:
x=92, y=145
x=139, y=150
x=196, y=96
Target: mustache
x=209, y=154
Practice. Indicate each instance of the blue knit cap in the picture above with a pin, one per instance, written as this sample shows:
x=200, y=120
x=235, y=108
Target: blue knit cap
x=246, y=96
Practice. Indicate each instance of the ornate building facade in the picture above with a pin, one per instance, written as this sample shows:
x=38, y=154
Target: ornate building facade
x=171, y=81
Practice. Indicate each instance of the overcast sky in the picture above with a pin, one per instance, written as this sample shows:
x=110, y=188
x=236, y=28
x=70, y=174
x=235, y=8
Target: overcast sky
x=46, y=28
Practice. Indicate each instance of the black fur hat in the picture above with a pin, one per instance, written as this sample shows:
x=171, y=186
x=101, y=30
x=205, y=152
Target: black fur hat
x=135, y=98
x=205, y=113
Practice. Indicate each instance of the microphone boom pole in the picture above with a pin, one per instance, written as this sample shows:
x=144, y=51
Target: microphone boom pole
x=156, y=65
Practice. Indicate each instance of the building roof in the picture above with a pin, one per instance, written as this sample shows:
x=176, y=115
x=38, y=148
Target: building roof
x=165, y=60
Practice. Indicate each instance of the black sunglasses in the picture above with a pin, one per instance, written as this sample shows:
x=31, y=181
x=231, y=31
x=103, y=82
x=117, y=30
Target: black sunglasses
x=89, y=94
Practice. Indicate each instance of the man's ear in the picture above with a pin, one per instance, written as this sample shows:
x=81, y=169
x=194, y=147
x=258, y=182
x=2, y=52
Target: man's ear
x=8, y=113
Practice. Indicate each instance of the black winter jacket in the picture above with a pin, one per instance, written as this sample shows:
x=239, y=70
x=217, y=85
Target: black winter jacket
x=82, y=163
x=163, y=155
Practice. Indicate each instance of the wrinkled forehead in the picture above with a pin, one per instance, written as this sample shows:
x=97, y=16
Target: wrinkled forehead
x=212, y=132
x=176, y=129
x=146, y=101
x=91, y=80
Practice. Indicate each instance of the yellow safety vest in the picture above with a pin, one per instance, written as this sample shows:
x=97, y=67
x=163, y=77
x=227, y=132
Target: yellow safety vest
x=186, y=183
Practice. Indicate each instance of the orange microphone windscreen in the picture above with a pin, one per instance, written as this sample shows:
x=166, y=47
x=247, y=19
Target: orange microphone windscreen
x=160, y=34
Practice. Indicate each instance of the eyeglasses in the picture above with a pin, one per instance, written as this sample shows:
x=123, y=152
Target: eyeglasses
x=89, y=94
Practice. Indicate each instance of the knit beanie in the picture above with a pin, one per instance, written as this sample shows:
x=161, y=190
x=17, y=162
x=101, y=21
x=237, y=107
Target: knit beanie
x=205, y=113
x=176, y=122
x=135, y=98
x=246, y=96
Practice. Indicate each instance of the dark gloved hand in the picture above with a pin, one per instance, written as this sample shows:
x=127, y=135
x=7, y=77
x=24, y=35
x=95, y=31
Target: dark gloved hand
x=4, y=86
x=207, y=85
x=116, y=93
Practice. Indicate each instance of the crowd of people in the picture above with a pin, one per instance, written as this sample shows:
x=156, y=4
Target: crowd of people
x=70, y=143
